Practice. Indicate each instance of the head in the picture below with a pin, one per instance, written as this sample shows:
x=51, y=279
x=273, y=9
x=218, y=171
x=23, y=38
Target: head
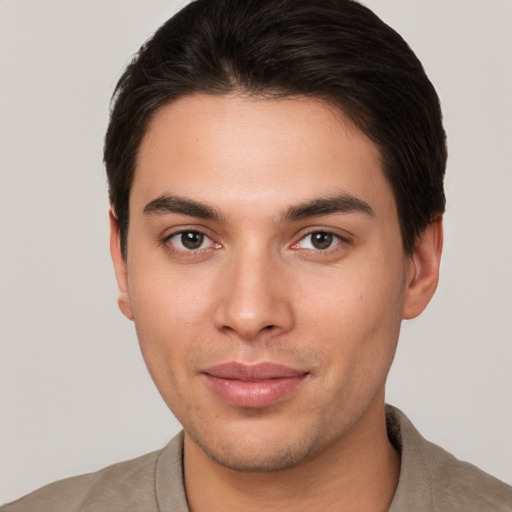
x=336, y=51
x=275, y=172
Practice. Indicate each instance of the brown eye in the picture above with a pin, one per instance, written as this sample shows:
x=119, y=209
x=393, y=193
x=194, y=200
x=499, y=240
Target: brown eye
x=192, y=239
x=185, y=241
x=321, y=240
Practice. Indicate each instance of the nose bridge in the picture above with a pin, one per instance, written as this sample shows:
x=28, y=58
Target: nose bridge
x=253, y=298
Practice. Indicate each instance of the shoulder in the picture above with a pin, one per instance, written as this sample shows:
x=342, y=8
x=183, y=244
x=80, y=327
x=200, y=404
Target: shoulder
x=126, y=484
x=432, y=479
x=455, y=482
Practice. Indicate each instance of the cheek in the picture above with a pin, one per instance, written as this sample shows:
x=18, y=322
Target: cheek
x=356, y=332
x=170, y=319
x=168, y=301
x=354, y=297
x=354, y=315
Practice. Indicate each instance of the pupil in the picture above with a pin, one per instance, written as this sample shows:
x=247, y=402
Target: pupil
x=192, y=239
x=321, y=240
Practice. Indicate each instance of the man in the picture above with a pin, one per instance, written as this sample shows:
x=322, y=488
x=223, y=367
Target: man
x=276, y=182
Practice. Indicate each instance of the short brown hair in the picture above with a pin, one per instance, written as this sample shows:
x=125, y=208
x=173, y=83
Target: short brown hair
x=337, y=50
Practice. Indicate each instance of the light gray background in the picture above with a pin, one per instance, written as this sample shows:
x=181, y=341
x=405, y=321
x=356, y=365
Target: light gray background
x=75, y=395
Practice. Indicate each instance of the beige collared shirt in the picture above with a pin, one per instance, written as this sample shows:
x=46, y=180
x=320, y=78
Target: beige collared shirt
x=431, y=480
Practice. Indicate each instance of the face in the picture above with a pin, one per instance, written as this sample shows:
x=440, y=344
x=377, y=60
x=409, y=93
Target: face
x=265, y=275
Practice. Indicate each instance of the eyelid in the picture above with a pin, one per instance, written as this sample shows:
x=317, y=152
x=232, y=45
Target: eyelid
x=165, y=240
x=344, y=238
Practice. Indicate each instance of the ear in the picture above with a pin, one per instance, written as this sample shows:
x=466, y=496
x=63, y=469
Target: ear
x=423, y=274
x=123, y=300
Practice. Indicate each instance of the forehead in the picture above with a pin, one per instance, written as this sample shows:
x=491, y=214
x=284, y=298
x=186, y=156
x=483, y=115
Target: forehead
x=237, y=151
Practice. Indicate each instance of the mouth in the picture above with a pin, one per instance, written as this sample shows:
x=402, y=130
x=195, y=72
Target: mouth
x=253, y=386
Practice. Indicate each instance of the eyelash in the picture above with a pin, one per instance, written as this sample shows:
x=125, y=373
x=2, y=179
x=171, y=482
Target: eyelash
x=166, y=241
x=340, y=240
x=184, y=250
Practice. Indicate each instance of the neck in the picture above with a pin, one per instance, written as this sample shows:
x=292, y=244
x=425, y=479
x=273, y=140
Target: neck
x=357, y=473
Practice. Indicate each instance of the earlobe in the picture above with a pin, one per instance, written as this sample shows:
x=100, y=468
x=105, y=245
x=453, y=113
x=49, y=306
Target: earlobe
x=124, y=301
x=424, y=270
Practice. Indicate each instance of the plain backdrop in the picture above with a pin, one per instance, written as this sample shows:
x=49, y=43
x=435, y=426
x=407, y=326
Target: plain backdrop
x=74, y=393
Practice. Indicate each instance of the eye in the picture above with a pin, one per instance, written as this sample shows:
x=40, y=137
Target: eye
x=319, y=241
x=189, y=241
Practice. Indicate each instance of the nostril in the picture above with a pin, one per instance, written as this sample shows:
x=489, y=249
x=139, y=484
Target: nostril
x=268, y=327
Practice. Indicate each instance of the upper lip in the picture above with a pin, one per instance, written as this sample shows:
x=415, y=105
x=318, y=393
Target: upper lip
x=252, y=372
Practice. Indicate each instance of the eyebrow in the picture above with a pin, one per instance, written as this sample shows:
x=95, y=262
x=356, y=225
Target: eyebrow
x=165, y=204
x=341, y=203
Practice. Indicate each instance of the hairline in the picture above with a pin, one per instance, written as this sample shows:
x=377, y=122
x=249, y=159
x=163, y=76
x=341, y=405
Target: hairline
x=264, y=94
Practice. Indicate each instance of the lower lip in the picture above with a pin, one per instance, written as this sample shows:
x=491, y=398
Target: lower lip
x=253, y=395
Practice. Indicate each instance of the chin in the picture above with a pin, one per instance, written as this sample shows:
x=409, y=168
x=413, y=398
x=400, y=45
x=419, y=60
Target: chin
x=260, y=454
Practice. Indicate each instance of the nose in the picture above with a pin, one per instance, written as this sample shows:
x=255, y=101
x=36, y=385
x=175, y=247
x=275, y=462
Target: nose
x=254, y=300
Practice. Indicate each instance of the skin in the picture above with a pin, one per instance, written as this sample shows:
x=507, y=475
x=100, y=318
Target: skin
x=259, y=290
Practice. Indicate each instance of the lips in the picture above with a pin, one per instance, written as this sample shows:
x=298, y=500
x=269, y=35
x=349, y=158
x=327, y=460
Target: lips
x=253, y=386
